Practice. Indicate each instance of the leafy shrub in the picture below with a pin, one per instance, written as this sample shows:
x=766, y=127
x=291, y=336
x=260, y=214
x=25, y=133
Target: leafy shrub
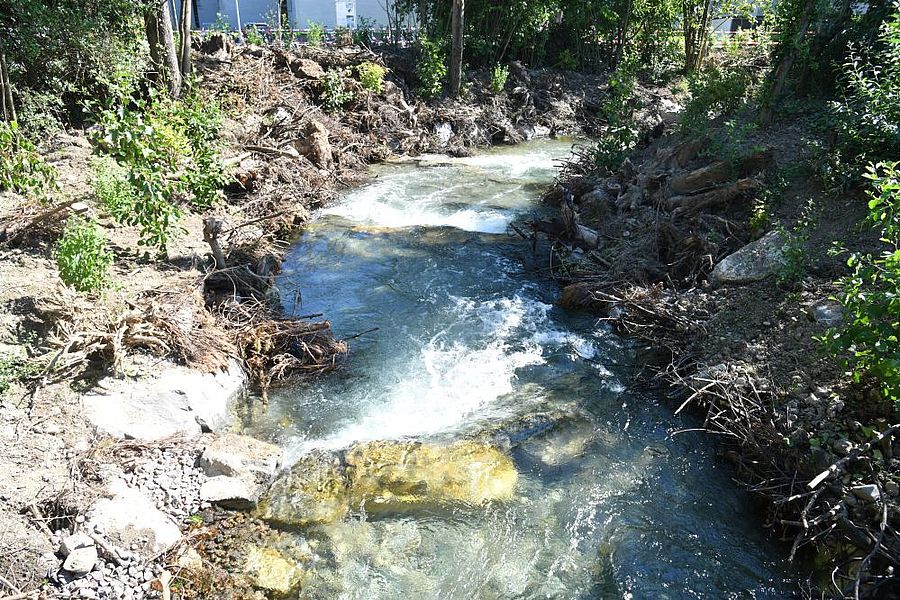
x=499, y=75
x=431, y=68
x=795, y=257
x=169, y=152
x=869, y=341
x=254, y=37
x=371, y=76
x=82, y=257
x=22, y=169
x=334, y=94
x=567, y=61
x=315, y=35
x=14, y=369
x=867, y=119
x=364, y=34
x=715, y=92
x=613, y=147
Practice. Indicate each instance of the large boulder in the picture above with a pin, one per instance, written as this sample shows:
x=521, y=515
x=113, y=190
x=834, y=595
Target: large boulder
x=398, y=474
x=754, y=262
x=314, y=144
x=131, y=522
x=313, y=491
x=174, y=401
x=393, y=475
x=240, y=468
x=305, y=68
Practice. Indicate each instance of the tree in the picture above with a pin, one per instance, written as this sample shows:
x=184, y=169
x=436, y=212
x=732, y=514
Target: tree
x=695, y=18
x=158, y=24
x=457, y=28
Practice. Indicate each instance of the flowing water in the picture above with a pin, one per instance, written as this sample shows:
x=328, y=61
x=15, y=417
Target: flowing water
x=610, y=501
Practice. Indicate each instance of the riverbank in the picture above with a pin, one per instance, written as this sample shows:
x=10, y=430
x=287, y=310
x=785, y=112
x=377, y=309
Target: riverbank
x=713, y=250
x=110, y=391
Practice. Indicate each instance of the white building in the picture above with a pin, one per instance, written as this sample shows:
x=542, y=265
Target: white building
x=330, y=13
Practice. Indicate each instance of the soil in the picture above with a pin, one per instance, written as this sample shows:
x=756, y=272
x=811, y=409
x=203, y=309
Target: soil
x=273, y=133
x=746, y=356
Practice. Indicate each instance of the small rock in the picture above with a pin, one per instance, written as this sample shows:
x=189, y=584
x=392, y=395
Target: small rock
x=73, y=542
x=229, y=492
x=867, y=493
x=827, y=312
x=843, y=447
x=80, y=561
x=891, y=488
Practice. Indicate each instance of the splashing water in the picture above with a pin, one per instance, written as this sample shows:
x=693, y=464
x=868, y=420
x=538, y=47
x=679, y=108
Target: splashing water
x=608, y=503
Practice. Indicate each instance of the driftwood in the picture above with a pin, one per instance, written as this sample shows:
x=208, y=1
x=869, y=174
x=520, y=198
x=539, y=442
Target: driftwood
x=584, y=237
x=212, y=227
x=714, y=197
x=719, y=171
x=10, y=238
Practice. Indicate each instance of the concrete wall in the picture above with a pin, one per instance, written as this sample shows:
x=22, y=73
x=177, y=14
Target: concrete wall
x=324, y=12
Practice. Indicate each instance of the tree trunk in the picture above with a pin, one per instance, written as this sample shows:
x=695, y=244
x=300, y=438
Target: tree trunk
x=457, y=26
x=788, y=57
x=9, y=106
x=158, y=24
x=184, y=56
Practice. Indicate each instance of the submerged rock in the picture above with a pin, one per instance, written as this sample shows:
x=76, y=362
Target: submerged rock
x=396, y=474
x=271, y=571
x=313, y=491
x=388, y=474
x=754, y=262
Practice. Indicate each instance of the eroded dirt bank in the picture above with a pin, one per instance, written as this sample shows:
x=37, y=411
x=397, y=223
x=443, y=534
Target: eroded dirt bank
x=117, y=395
x=680, y=247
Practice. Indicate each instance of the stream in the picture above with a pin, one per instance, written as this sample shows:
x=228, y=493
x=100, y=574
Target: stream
x=610, y=502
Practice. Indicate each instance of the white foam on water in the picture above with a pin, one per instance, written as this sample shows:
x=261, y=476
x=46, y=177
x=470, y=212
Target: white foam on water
x=450, y=383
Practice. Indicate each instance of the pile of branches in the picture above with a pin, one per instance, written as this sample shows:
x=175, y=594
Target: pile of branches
x=163, y=323
x=277, y=350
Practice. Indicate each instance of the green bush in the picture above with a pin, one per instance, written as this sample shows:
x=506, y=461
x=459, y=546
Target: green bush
x=364, y=34
x=315, y=35
x=867, y=120
x=431, y=68
x=716, y=91
x=22, y=169
x=371, y=76
x=868, y=343
x=169, y=152
x=254, y=37
x=82, y=257
x=14, y=369
x=499, y=75
x=334, y=94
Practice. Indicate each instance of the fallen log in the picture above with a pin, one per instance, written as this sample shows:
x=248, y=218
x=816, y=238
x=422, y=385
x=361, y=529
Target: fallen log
x=720, y=171
x=714, y=197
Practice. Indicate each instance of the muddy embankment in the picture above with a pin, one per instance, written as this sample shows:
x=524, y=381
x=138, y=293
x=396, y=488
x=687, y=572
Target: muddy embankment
x=727, y=302
x=104, y=493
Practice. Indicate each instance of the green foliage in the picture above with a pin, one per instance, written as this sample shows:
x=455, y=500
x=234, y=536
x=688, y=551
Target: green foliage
x=364, y=34
x=13, y=369
x=731, y=143
x=169, y=151
x=499, y=75
x=431, y=68
x=613, y=146
x=22, y=169
x=82, y=257
x=795, y=256
x=869, y=341
x=716, y=91
x=334, y=94
x=867, y=119
x=253, y=36
x=315, y=35
x=567, y=60
x=61, y=50
x=222, y=25
x=371, y=76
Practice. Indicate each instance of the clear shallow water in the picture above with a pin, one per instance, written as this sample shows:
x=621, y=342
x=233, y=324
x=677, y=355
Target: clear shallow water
x=608, y=503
